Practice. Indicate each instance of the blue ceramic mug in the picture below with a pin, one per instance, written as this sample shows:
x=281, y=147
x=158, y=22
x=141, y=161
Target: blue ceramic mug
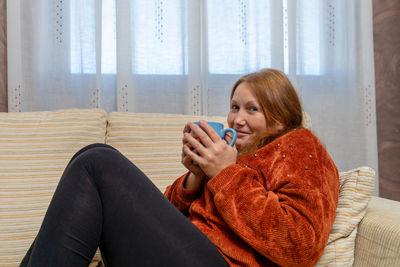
x=219, y=128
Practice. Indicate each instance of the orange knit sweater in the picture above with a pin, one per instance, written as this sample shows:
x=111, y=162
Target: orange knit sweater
x=275, y=206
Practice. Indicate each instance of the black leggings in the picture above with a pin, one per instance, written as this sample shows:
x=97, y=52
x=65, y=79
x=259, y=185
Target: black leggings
x=103, y=200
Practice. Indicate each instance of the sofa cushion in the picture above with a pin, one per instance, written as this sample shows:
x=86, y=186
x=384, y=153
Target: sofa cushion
x=34, y=150
x=356, y=188
x=378, y=237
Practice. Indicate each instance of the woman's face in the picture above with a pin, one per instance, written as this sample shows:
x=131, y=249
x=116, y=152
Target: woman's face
x=246, y=115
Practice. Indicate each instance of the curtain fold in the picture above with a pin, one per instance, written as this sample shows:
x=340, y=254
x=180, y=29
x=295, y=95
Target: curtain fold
x=3, y=56
x=183, y=57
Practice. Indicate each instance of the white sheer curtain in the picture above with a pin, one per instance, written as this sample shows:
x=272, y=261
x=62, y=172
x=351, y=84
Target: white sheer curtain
x=182, y=56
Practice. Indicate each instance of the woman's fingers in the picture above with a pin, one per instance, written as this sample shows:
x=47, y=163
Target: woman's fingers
x=188, y=161
x=186, y=129
x=192, y=146
x=214, y=136
x=206, y=134
x=203, y=144
x=228, y=137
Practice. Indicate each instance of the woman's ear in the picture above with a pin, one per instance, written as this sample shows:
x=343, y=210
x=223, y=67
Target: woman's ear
x=279, y=126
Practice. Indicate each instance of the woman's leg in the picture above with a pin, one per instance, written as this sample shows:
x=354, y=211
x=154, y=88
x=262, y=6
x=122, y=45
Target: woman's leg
x=104, y=200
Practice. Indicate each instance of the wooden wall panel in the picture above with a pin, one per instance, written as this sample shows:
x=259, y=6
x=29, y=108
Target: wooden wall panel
x=386, y=23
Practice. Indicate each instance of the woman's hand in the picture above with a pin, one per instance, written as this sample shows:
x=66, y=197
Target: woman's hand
x=196, y=176
x=211, y=153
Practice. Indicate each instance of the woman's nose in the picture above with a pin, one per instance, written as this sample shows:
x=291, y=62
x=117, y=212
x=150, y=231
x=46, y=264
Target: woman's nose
x=240, y=119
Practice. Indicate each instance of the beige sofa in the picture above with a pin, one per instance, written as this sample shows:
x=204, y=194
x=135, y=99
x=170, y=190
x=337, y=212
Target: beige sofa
x=36, y=146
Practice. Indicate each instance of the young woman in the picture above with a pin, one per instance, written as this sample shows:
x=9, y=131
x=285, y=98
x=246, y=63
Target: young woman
x=269, y=200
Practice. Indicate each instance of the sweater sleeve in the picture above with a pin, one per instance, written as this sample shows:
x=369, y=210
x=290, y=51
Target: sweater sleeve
x=181, y=197
x=290, y=221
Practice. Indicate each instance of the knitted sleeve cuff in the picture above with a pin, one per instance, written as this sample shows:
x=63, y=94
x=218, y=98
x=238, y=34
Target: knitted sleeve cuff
x=223, y=178
x=187, y=195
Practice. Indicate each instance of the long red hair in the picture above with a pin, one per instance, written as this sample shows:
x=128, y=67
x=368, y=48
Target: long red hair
x=279, y=102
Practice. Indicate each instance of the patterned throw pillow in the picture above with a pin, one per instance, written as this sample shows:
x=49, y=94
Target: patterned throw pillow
x=356, y=188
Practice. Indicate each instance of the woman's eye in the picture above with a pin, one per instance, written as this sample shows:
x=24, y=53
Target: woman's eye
x=234, y=107
x=253, y=108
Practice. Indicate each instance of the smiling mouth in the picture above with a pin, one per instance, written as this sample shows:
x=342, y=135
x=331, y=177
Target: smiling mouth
x=242, y=134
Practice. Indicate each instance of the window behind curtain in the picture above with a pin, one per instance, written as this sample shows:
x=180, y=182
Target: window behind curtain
x=239, y=37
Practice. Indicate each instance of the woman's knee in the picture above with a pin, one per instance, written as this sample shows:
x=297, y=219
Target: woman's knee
x=106, y=165
x=90, y=147
x=98, y=163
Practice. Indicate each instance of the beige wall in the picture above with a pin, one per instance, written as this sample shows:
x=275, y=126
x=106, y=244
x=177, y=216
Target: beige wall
x=3, y=56
x=387, y=75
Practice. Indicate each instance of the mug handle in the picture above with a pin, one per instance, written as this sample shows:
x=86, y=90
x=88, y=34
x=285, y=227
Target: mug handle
x=234, y=135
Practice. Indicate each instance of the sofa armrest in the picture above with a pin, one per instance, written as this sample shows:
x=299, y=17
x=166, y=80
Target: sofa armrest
x=378, y=237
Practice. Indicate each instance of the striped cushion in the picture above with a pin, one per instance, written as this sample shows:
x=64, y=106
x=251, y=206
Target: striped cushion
x=356, y=188
x=152, y=141
x=34, y=150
